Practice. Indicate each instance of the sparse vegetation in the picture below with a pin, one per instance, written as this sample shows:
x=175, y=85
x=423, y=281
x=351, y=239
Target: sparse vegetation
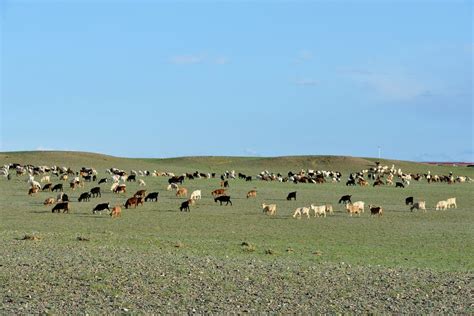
x=155, y=259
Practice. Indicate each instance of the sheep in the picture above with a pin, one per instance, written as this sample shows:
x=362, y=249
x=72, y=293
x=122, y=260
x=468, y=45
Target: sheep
x=269, y=208
x=441, y=205
x=252, y=193
x=319, y=210
x=196, y=195
x=352, y=209
x=420, y=205
x=49, y=201
x=141, y=182
x=45, y=179
x=329, y=209
x=375, y=210
x=172, y=186
x=451, y=203
x=116, y=211
x=301, y=211
x=360, y=204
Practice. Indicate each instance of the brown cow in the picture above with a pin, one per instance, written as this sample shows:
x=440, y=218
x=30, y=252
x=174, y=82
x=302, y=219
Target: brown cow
x=218, y=192
x=122, y=188
x=252, y=193
x=182, y=192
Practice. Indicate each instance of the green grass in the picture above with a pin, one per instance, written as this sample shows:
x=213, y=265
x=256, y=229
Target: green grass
x=438, y=241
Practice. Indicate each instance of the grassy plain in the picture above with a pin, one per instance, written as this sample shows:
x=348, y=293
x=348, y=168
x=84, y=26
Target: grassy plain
x=155, y=259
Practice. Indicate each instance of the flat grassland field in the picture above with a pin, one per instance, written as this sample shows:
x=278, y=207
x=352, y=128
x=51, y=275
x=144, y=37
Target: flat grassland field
x=156, y=259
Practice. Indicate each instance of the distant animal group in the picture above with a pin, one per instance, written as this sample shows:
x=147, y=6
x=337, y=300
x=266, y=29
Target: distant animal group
x=381, y=176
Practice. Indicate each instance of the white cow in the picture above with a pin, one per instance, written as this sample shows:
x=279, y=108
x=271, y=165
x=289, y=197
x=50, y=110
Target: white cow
x=196, y=195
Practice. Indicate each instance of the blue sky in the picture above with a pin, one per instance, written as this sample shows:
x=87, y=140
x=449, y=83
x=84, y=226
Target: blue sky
x=243, y=78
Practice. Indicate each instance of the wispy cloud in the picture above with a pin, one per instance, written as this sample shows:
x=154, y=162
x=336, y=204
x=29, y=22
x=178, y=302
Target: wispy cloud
x=306, y=82
x=303, y=56
x=221, y=60
x=186, y=59
x=198, y=59
x=390, y=86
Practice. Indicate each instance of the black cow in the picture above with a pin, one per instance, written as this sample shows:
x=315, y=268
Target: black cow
x=345, y=199
x=100, y=207
x=249, y=178
x=223, y=198
x=64, y=197
x=175, y=179
x=399, y=185
x=96, y=192
x=131, y=178
x=185, y=206
x=57, y=187
x=103, y=180
x=226, y=184
x=85, y=197
x=47, y=187
x=87, y=178
x=152, y=196
x=291, y=195
x=409, y=200
x=61, y=206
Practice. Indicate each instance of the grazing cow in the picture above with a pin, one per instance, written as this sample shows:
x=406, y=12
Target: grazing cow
x=196, y=195
x=47, y=187
x=185, y=206
x=33, y=190
x=399, y=185
x=218, y=192
x=269, y=208
x=451, y=203
x=375, y=210
x=64, y=206
x=182, y=192
x=318, y=210
x=175, y=179
x=441, y=205
x=95, y=192
x=140, y=193
x=100, y=207
x=103, y=180
x=248, y=178
x=141, y=182
x=116, y=211
x=131, y=178
x=86, y=196
x=223, y=198
x=291, y=195
x=152, y=196
x=420, y=205
x=301, y=211
x=352, y=209
x=409, y=200
x=131, y=201
x=225, y=184
x=49, y=201
x=345, y=199
x=57, y=187
x=252, y=193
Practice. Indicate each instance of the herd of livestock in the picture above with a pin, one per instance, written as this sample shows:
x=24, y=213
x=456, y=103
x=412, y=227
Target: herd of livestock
x=76, y=179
